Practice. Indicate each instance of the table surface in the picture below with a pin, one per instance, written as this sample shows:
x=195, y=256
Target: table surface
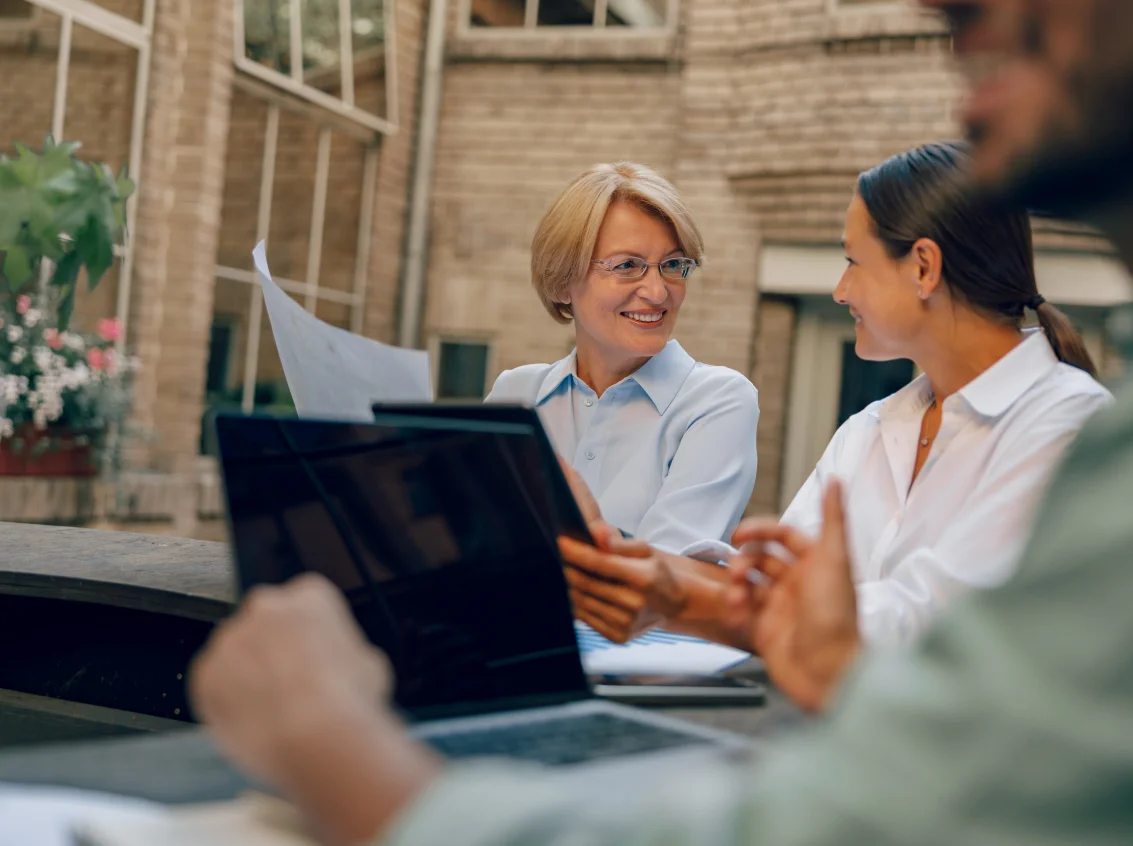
x=183, y=766
x=188, y=578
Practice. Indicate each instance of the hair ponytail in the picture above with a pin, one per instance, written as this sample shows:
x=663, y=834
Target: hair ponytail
x=1064, y=339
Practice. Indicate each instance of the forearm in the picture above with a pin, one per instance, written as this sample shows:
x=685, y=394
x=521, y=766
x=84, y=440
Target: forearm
x=703, y=612
x=353, y=777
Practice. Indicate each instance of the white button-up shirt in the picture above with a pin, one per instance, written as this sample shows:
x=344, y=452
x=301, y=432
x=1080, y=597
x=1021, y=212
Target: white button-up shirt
x=964, y=522
x=668, y=452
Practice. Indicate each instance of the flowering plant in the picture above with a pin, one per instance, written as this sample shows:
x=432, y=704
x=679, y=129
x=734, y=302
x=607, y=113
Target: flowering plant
x=58, y=380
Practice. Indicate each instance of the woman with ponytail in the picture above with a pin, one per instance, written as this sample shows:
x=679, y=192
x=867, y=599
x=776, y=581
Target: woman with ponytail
x=941, y=479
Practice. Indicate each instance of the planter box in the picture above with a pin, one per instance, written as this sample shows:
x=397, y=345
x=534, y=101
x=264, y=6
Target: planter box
x=53, y=452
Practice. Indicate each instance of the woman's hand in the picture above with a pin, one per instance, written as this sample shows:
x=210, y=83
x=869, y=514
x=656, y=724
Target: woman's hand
x=803, y=618
x=623, y=588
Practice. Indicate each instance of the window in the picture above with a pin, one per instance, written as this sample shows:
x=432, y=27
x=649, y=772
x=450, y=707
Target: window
x=462, y=370
x=333, y=53
x=640, y=14
x=864, y=382
x=97, y=55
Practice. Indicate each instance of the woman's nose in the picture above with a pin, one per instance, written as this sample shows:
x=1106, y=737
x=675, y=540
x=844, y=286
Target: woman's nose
x=652, y=288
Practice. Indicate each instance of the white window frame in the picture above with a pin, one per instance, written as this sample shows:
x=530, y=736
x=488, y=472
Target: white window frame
x=294, y=83
x=130, y=33
x=308, y=288
x=597, y=28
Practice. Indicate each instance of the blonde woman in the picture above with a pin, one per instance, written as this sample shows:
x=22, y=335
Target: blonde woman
x=666, y=444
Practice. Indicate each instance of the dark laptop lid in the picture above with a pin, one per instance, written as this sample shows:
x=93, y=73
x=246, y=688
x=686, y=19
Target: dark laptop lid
x=432, y=536
x=565, y=517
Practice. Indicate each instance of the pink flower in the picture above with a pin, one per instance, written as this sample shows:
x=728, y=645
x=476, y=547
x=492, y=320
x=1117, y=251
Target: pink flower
x=53, y=338
x=109, y=329
x=23, y=303
x=95, y=358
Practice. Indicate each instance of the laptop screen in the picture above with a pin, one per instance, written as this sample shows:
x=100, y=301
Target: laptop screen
x=432, y=536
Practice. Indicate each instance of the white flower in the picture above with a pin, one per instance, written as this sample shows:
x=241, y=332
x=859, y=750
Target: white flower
x=32, y=317
x=33, y=399
x=18, y=354
x=73, y=341
x=43, y=358
x=40, y=419
x=14, y=333
x=7, y=428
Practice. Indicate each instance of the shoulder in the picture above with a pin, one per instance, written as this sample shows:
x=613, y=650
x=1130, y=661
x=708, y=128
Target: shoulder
x=520, y=384
x=1068, y=393
x=715, y=385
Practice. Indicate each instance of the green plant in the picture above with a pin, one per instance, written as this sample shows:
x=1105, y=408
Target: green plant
x=57, y=208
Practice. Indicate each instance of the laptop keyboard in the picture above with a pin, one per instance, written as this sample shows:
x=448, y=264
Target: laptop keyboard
x=569, y=740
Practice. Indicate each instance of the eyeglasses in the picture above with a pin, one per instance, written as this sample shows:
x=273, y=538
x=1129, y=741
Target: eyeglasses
x=633, y=267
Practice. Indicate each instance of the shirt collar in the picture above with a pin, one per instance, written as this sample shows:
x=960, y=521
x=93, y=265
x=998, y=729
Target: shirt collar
x=661, y=377
x=995, y=390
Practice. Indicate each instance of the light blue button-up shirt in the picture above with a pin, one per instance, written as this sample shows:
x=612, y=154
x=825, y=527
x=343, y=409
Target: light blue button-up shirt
x=668, y=452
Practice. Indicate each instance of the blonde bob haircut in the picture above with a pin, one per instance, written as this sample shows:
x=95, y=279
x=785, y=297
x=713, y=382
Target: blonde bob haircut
x=564, y=242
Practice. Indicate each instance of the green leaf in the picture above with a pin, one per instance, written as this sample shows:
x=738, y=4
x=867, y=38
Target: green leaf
x=67, y=270
x=95, y=250
x=66, y=307
x=17, y=267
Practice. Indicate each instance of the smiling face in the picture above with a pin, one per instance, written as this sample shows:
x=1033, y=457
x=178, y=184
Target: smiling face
x=881, y=292
x=627, y=320
x=1051, y=122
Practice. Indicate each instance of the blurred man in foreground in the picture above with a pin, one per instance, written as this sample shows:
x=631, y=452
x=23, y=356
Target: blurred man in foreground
x=1010, y=723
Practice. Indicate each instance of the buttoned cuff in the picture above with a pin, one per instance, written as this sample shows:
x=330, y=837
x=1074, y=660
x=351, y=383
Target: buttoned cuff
x=712, y=551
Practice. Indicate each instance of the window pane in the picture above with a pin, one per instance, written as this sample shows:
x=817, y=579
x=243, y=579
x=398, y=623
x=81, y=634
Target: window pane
x=100, y=113
x=232, y=308
x=30, y=56
x=321, y=45
x=638, y=13
x=864, y=382
x=368, y=24
x=566, y=12
x=463, y=371
x=498, y=12
x=267, y=33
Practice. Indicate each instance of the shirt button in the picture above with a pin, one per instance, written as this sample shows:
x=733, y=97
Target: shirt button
x=590, y=455
x=589, y=403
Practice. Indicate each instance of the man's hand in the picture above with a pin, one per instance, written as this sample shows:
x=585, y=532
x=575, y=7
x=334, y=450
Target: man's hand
x=803, y=620
x=295, y=697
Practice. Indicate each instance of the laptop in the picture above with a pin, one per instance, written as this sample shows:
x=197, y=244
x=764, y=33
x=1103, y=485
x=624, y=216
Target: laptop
x=451, y=568
x=564, y=515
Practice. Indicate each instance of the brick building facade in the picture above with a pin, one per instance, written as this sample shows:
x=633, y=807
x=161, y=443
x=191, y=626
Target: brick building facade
x=762, y=112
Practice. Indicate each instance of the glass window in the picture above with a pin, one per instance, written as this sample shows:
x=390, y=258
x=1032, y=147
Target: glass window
x=864, y=382
x=330, y=52
x=462, y=370
x=573, y=13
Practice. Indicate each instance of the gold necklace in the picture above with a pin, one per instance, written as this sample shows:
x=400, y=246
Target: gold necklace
x=924, y=440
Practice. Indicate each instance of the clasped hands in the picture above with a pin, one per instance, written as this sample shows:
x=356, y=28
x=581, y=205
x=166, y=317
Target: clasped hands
x=785, y=596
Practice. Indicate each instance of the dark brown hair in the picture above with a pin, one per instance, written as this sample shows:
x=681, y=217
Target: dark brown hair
x=986, y=249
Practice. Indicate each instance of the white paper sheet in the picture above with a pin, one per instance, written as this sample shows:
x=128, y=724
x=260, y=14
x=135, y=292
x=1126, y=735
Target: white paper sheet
x=46, y=816
x=335, y=374
x=33, y=816
x=697, y=659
